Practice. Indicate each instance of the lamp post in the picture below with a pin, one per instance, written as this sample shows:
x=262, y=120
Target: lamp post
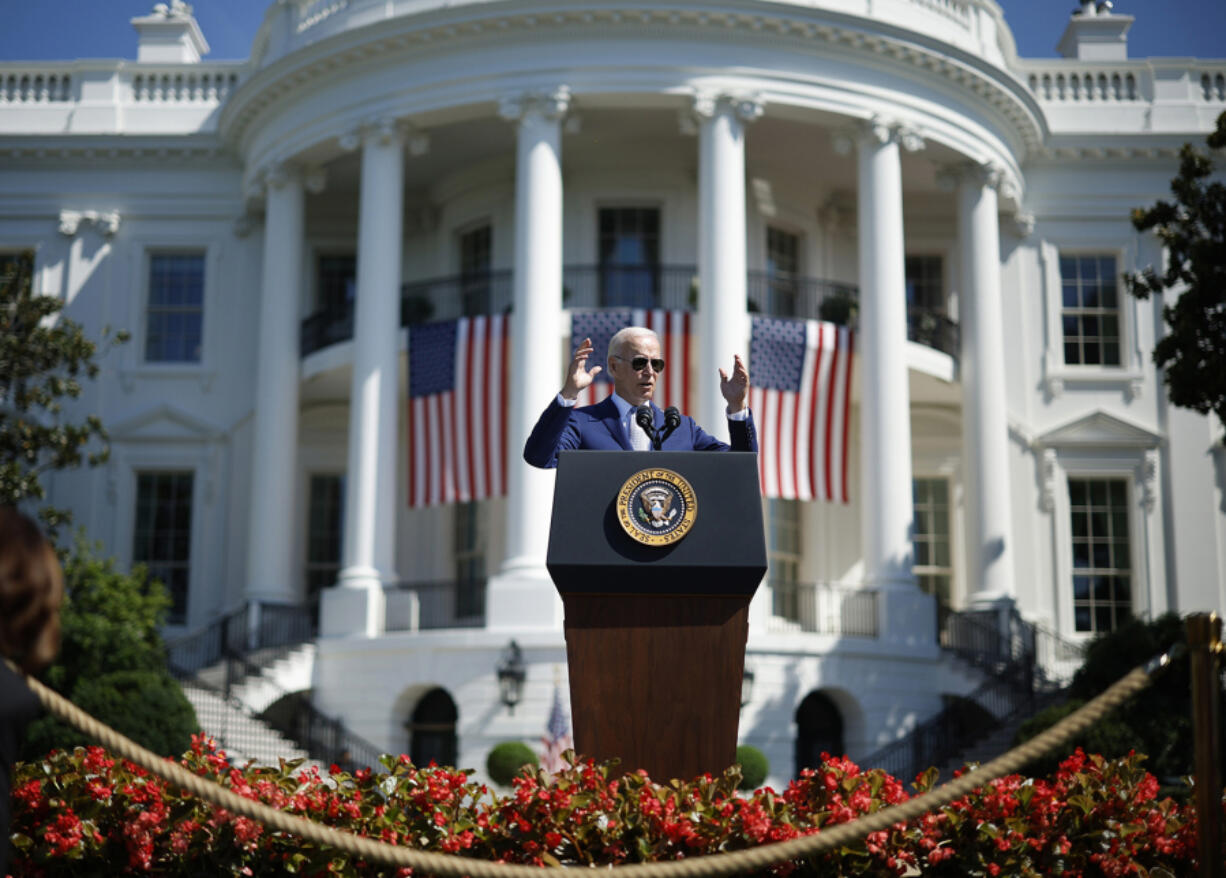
x=511, y=674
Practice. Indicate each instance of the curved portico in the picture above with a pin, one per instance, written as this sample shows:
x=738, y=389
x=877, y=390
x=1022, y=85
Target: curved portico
x=814, y=75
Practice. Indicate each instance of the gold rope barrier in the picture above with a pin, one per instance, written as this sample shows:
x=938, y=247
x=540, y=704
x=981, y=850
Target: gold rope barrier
x=732, y=863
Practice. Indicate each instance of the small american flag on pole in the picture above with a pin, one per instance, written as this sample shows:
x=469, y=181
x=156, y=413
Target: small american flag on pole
x=556, y=739
x=673, y=386
x=457, y=410
x=801, y=397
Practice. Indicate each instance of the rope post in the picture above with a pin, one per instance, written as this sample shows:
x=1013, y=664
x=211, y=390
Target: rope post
x=1204, y=648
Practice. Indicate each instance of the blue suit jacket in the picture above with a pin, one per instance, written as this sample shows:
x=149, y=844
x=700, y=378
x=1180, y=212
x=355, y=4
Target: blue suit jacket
x=598, y=427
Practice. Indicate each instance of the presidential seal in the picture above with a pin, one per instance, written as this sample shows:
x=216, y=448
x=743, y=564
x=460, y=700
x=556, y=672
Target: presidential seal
x=656, y=507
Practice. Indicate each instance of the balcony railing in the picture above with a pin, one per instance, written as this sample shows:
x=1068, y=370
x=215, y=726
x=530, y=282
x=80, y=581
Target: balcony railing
x=673, y=287
x=424, y=606
x=823, y=608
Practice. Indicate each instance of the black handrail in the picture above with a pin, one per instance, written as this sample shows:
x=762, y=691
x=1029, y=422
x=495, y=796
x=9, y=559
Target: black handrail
x=1006, y=648
x=673, y=287
x=233, y=641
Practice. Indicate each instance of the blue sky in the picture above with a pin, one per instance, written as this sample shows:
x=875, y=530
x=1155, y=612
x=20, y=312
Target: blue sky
x=68, y=29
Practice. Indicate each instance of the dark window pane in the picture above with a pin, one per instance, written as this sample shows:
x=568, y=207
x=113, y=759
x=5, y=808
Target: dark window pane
x=1081, y=587
x=1081, y=553
x=1081, y=617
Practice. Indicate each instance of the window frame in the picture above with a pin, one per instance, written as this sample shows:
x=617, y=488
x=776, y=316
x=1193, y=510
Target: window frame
x=187, y=565
x=152, y=253
x=135, y=365
x=951, y=570
x=1103, y=447
x=1128, y=507
x=1060, y=376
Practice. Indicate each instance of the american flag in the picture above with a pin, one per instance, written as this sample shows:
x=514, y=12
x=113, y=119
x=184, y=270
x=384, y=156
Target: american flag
x=673, y=386
x=457, y=410
x=800, y=394
x=556, y=739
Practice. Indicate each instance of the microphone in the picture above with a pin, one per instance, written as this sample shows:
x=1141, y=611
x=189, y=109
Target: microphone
x=672, y=420
x=644, y=418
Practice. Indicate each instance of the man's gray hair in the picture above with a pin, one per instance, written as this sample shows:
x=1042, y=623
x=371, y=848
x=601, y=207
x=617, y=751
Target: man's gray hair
x=619, y=339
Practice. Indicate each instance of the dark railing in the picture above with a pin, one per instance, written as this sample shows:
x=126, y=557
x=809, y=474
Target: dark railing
x=933, y=328
x=1015, y=655
x=960, y=723
x=446, y=298
x=673, y=287
x=266, y=632
x=324, y=738
x=805, y=297
x=420, y=606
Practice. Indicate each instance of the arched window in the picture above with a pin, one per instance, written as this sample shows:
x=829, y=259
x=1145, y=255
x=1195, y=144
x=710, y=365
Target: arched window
x=431, y=729
x=819, y=729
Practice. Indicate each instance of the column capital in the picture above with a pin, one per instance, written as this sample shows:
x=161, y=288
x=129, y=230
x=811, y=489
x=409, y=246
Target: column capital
x=1023, y=223
x=878, y=130
x=384, y=131
x=746, y=107
x=972, y=173
x=549, y=104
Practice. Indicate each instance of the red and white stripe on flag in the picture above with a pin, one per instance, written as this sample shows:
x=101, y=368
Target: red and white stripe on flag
x=801, y=398
x=457, y=412
x=673, y=385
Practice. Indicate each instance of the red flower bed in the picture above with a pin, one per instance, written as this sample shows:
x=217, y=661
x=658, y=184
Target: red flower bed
x=84, y=813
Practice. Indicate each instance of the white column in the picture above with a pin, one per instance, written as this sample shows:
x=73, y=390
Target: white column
x=985, y=427
x=522, y=594
x=722, y=308
x=275, y=444
x=368, y=549
x=885, y=400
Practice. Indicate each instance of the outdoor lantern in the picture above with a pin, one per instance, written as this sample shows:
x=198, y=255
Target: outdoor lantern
x=511, y=675
x=746, y=685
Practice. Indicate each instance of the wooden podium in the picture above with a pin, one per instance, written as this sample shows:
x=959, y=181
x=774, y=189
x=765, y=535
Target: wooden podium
x=655, y=634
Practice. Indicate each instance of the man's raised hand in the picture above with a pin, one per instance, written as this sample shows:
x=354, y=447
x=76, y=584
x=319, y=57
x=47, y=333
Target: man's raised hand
x=578, y=376
x=735, y=389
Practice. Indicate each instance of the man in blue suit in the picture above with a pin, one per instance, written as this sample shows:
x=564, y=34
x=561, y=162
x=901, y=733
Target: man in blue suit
x=635, y=363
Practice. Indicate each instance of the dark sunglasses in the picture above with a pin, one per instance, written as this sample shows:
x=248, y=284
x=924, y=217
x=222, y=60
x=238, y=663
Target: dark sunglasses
x=638, y=364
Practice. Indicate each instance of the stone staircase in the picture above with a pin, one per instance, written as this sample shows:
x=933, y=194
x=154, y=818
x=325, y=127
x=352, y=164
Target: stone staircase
x=237, y=729
x=998, y=741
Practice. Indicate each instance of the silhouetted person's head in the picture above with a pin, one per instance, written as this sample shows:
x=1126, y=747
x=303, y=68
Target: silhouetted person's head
x=31, y=591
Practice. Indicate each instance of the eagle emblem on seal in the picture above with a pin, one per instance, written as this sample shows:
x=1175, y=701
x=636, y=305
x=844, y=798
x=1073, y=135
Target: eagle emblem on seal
x=656, y=507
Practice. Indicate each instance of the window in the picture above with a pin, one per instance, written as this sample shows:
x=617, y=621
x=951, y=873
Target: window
x=163, y=534
x=782, y=271
x=933, y=565
x=1090, y=314
x=175, y=316
x=324, y=509
x=629, y=249
x=1102, y=574
x=337, y=282
x=925, y=281
x=475, y=262
x=783, y=557
x=469, y=539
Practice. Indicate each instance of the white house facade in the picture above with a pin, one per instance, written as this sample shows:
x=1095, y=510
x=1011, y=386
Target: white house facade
x=268, y=229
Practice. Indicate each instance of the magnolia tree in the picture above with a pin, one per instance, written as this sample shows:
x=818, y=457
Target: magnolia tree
x=1192, y=228
x=43, y=359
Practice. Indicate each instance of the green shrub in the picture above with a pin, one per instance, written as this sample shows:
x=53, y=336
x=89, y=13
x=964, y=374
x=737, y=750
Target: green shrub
x=1156, y=721
x=506, y=759
x=110, y=621
x=754, y=767
x=146, y=706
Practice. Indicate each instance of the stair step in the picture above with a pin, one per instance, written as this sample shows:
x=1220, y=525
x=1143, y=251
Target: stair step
x=242, y=735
